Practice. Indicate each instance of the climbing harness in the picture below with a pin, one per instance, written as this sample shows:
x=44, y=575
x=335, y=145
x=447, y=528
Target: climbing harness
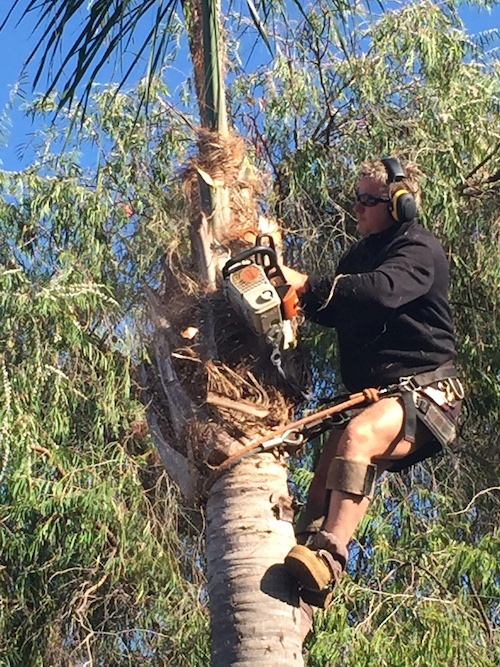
x=255, y=286
x=420, y=394
x=291, y=437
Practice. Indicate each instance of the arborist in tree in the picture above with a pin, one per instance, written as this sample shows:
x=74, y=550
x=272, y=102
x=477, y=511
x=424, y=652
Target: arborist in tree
x=389, y=304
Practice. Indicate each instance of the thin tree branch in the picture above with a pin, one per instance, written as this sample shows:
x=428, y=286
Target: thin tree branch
x=482, y=612
x=46, y=452
x=492, y=488
x=483, y=162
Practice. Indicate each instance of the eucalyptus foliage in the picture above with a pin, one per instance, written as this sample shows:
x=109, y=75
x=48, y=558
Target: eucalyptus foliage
x=93, y=559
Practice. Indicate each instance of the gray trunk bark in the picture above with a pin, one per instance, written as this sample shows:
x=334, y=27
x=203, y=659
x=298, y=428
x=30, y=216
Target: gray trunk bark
x=255, y=617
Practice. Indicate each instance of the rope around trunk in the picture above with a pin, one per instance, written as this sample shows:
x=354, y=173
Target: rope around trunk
x=367, y=396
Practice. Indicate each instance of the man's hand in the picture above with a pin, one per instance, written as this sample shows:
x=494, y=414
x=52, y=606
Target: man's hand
x=296, y=279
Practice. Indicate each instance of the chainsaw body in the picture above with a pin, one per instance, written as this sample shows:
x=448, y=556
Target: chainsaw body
x=255, y=286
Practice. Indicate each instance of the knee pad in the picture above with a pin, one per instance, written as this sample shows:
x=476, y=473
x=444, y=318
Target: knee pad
x=352, y=477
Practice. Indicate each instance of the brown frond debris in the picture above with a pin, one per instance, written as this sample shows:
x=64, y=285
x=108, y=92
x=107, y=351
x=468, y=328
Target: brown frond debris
x=222, y=162
x=225, y=369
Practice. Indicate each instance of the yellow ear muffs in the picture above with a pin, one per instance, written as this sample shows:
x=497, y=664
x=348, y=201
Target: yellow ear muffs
x=402, y=206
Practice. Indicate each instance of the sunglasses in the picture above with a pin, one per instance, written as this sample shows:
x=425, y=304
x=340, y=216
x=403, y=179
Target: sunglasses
x=365, y=199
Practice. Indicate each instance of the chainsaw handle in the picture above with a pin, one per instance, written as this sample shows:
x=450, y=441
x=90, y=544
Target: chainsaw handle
x=270, y=241
x=289, y=301
x=256, y=250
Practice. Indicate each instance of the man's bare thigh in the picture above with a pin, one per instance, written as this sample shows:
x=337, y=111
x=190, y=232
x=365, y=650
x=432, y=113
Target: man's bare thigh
x=377, y=432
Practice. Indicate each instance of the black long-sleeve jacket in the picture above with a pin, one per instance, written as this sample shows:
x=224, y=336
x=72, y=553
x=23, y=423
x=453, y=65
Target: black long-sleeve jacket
x=390, y=307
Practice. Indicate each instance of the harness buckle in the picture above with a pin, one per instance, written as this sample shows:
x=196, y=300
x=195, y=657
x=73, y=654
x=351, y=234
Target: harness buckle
x=408, y=383
x=452, y=387
x=340, y=418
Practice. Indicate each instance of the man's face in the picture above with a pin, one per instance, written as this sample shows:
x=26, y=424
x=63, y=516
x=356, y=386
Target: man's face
x=376, y=218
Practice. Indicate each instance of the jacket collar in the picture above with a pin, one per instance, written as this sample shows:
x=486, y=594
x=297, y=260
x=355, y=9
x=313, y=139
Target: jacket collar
x=391, y=232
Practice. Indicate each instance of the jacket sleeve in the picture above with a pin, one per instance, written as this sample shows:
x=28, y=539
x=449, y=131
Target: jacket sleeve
x=315, y=302
x=405, y=275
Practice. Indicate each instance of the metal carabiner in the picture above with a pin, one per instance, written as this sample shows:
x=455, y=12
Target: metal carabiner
x=293, y=440
x=296, y=441
x=284, y=439
x=272, y=442
x=457, y=388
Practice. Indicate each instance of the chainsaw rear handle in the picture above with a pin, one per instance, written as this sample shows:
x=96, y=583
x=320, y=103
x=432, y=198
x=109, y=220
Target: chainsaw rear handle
x=257, y=251
x=269, y=238
x=289, y=301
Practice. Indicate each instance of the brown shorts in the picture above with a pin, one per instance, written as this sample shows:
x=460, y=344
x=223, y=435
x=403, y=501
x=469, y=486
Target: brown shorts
x=431, y=447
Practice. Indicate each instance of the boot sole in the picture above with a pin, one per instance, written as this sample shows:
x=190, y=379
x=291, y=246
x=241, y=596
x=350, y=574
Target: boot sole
x=320, y=599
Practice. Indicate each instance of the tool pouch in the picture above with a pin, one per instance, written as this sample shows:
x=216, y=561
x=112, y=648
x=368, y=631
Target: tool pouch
x=441, y=426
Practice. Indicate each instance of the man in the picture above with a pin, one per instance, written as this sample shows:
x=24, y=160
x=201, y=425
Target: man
x=389, y=305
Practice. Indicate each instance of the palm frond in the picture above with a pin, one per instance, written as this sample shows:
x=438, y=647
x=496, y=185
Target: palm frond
x=259, y=25
x=105, y=29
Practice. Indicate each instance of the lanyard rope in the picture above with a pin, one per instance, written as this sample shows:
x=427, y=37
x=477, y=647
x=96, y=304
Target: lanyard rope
x=279, y=436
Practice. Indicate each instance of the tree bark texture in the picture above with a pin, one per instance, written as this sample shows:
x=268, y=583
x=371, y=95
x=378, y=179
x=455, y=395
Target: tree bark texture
x=255, y=614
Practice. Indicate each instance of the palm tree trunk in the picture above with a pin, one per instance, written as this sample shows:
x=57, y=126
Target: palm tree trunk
x=255, y=617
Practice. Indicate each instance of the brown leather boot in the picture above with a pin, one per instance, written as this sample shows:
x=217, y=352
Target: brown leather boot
x=317, y=567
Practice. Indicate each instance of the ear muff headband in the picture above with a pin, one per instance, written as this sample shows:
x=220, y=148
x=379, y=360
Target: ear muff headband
x=402, y=206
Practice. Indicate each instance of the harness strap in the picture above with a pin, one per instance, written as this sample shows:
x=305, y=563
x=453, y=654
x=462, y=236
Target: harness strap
x=410, y=416
x=417, y=406
x=439, y=424
x=420, y=380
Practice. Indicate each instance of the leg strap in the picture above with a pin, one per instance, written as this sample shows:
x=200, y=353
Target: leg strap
x=310, y=522
x=352, y=477
x=410, y=416
x=305, y=524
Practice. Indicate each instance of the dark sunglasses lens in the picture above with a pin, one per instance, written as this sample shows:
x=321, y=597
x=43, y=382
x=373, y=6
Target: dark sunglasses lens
x=367, y=200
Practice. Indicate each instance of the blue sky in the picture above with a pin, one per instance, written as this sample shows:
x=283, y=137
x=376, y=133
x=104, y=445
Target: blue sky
x=15, y=45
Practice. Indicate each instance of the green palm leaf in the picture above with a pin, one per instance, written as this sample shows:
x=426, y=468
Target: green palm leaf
x=105, y=29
